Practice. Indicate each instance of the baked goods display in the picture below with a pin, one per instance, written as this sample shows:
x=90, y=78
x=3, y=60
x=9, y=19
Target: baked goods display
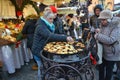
x=2, y=25
x=64, y=47
x=11, y=25
x=5, y=34
x=9, y=29
x=15, y=28
x=9, y=38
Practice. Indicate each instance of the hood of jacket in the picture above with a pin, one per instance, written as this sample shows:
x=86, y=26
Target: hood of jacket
x=115, y=21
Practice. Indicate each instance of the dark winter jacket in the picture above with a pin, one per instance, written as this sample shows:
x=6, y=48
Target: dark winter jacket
x=28, y=30
x=94, y=21
x=42, y=32
x=58, y=26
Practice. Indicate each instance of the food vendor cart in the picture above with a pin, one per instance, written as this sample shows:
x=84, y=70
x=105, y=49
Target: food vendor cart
x=75, y=64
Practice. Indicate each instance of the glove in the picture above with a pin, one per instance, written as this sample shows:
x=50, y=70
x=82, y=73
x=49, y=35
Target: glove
x=70, y=39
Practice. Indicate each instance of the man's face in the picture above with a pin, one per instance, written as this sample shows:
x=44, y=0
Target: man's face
x=55, y=15
x=104, y=22
x=97, y=12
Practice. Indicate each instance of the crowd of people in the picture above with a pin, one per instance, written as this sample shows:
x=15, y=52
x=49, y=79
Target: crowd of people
x=50, y=27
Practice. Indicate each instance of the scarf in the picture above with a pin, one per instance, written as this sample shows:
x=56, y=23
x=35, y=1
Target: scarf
x=51, y=26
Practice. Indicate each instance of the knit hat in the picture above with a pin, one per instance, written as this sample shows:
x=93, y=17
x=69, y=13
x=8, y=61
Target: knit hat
x=53, y=8
x=99, y=6
x=105, y=14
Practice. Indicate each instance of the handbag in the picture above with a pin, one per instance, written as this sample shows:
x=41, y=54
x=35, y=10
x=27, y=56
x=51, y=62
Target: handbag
x=96, y=49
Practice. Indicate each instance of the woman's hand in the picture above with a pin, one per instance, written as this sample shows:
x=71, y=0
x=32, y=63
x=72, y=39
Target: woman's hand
x=70, y=39
x=95, y=36
x=97, y=30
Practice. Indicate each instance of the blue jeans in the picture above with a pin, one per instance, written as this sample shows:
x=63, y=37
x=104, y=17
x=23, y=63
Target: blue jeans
x=39, y=66
x=106, y=67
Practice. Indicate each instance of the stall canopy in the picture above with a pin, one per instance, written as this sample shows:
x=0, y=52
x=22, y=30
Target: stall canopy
x=67, y=10
x=29, y=10
x=51, y=2
x=7, y=9
x=46, y=2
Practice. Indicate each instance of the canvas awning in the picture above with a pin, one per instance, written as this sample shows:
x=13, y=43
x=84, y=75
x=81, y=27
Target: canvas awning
x=67, y=10
x=50, y=2
x=46, y=2
x=7, y=9
x=29, y=10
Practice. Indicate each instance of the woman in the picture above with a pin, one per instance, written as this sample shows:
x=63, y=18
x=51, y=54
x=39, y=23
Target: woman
x=45, y=32
x=109, y=36
x=28, y=31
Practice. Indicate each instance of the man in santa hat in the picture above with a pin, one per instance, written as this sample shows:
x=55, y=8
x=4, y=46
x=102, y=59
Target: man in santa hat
x=57, y=21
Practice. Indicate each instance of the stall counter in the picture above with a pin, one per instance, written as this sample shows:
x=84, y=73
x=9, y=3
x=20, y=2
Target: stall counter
x=13, y=57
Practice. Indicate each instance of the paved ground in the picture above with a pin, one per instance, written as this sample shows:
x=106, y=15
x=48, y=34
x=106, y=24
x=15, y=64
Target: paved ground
x=26, y=73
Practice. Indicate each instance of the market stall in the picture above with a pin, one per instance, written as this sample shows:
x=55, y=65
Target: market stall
x=13, y=54
x=7, y=9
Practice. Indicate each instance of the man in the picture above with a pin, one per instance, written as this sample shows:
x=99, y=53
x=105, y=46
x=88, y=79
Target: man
x=94, y=21
x=57, y=22
x=108, y=36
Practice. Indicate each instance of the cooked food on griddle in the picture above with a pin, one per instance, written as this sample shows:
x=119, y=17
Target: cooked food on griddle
x=64, y=47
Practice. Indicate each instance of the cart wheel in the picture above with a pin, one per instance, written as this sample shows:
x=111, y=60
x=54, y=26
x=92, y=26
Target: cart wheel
x=89, y=74
x=62, y=72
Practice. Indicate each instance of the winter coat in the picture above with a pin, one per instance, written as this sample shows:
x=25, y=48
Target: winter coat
x=58, y=26
x=94, y=21
x=42, y=33
x=110, y=38
x=28, y=30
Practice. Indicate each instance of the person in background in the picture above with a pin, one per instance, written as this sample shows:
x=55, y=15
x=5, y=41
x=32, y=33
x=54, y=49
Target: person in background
x=45, y=32
x=94, y=21
x=94, y=24
x=108, y=36
x=42, y=6
x=71, y=24
x=57, y=22
x=28, y=31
